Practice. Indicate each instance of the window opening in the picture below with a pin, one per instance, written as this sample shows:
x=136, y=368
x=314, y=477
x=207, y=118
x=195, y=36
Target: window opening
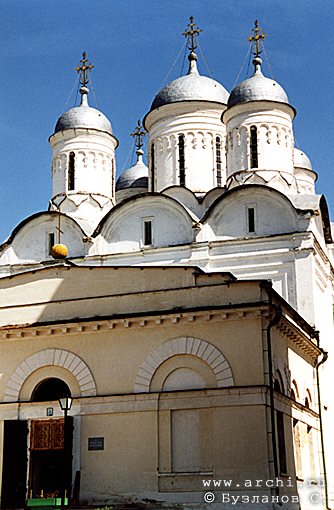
x=281, y=442
x=50, y=389
x=253, y=147
x=218, y=161
x=70, y=176
x=152, y=167
x=148, y=231
x=251, y=220
x=51, y=242
x=182, y=161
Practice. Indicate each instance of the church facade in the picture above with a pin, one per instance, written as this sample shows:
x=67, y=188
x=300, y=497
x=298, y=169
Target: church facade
x=185, y=309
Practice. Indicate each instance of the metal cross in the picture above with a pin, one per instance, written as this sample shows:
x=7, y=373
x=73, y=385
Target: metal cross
x=139, y=134
x=83, y=69
x=58, y=227
x=255, y=37
x=191, y=33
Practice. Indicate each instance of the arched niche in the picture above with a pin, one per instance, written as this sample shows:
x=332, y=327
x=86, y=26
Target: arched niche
x=198, y=355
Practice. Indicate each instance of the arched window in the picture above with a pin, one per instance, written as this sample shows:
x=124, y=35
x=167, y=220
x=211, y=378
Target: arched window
x=50, y=389
x=70, y=172
x=152, y=168
x=294, y=393
x=308, y=399
x=253, y=147
x=218, y=161
x=182, y=168
x=277, y=386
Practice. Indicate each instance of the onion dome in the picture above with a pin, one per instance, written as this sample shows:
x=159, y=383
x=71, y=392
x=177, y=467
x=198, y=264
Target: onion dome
x=83, y=116
x=134, y=177
x=59, y=251
x=300, y=160
x=192, y=87
x=257, y=88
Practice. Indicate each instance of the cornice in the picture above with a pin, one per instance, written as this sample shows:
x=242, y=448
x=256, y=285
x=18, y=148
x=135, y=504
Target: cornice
x=139, y=321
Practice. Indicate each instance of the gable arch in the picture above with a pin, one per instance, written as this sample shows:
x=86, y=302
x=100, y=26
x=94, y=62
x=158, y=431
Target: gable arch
x=275, y=214
x=184, y=345
x=29, y=240
x=122, y=229
x=51, y=357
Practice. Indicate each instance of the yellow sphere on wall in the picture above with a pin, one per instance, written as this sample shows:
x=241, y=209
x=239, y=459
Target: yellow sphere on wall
x=59, y=251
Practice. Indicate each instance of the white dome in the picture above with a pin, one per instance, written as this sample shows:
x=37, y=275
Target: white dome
x=257, y=88
x=134, y=177
x=83, y=116
x=300, y=160
x=192, y=87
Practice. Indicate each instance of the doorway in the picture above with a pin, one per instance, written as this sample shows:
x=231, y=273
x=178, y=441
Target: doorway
x=48, y=460
x=14, y=471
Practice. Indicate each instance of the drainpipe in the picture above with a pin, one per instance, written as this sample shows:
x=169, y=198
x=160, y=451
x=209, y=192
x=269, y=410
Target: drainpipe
x=323, y=360
x=275, y=320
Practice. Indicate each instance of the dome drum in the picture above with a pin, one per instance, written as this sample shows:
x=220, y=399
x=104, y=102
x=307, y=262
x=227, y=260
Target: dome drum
x=259, y=140
x=305, y=180
x=200, y=128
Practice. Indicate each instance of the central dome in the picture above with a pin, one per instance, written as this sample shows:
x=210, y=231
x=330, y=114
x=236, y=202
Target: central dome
x=192, y=87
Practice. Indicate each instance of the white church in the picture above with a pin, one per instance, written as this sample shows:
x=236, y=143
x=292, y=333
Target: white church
x=185, y=310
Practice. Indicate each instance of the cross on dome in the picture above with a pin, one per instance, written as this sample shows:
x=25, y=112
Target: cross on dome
x=83, y=69
x=256, y=37
x=191, y=33
x=138, y=134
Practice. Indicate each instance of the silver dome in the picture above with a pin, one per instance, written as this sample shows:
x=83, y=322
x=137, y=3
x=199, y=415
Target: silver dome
x=301, y=160
x=192, y=87
x=257, y=88
x=134, y=177
x=83, y=116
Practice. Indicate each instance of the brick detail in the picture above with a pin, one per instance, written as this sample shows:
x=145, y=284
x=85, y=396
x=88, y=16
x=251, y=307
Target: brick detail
x=51, y=357
x=184, y=345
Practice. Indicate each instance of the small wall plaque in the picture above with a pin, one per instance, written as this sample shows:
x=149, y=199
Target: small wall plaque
x=95, y=443
x=49, y=411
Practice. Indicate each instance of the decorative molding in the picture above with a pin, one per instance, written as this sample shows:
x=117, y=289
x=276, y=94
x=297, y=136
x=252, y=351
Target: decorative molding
x=51, y=357
x=184, y=345
x=165, y=319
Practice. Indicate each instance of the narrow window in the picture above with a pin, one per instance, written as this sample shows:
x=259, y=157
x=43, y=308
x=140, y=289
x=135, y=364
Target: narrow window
x=182, y=161
x=311, y=452
x=152, y=167
x=251, y=220
x=148, y=237
x=70, y=174
x=281, y=442
x=297, y=448
x=253, y=147
x=51, y=241
x=112, y=177
x=218, y=161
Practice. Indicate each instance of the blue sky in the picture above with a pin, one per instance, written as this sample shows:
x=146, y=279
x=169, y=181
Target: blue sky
x=133, y=44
